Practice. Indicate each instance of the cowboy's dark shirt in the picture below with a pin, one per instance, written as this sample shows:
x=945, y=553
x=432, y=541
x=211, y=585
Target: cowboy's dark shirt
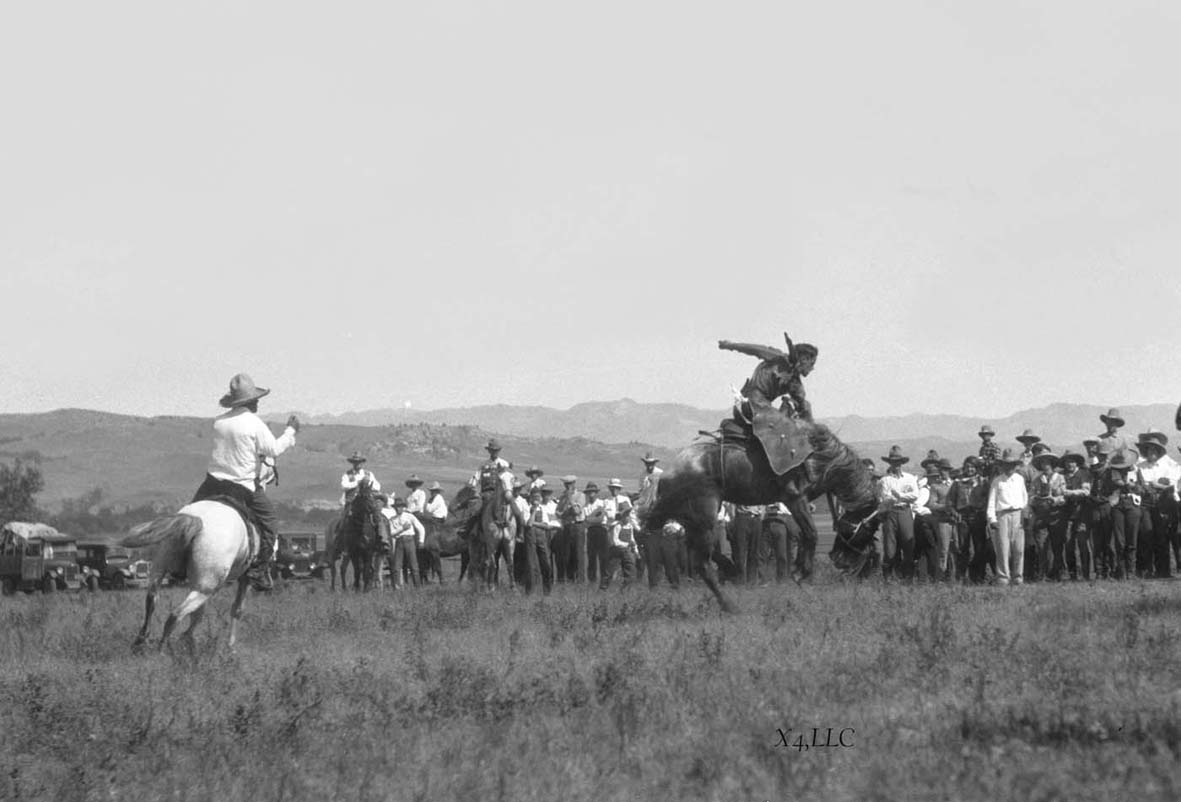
x=990, y=452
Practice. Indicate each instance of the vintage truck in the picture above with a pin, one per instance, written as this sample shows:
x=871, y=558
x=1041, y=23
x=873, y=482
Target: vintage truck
x=111, y=567
x=37, y=557
x=301, y=555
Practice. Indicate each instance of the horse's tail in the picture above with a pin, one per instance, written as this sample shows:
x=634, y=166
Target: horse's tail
x=690, y=498
x=182, y=526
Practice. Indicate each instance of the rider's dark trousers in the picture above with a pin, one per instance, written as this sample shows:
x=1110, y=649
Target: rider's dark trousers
x=537, y=559
x=256, y=501
x=596, y=550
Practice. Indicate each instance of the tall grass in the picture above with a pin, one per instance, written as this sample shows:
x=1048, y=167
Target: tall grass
x=1040, y=692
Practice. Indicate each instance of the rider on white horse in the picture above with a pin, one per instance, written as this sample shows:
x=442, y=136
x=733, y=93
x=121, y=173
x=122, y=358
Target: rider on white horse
x=238, y=468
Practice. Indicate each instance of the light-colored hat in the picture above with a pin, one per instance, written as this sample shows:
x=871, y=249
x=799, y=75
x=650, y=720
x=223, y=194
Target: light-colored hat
x=615, y=483
x=357, y=458
x=1010, y=456
x=895, y=456
x=547, y=490
x=1113, y=417
x=1122, y=460
x=242, y=391
x=435, y=486
x=1028, y=438
x=648, y=459
x=986, y=429
x=569, y=479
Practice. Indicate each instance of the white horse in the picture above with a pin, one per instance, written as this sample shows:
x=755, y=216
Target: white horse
x=207, y=543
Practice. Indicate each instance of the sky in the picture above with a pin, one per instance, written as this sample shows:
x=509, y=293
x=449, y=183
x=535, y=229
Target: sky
x=968, y=208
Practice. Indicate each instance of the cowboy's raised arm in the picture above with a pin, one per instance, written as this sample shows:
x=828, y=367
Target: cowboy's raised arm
x=268, y=445
x=752, y=349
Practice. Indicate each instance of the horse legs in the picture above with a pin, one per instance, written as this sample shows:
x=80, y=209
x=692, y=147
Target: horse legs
x=187, y=637
x=236, y=609
x=507, y=546
x=149, y=608
x=191, y=603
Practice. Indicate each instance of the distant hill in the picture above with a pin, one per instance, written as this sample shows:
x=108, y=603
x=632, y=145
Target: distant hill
x=137, y=460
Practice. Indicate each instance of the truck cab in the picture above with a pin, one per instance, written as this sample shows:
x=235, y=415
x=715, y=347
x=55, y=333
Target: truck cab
x=36, y=556
x=111, y=567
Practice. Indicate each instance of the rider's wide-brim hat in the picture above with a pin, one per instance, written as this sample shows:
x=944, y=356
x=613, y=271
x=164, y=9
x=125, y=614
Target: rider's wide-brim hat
x=896, y=456
x=569, y=479
x=242, y=391
x=493, y=445
x=591, y=487
x=435, y=486
x=1028, y=437
x=413, y=481
x=1113, y=417
x=534, y=471
x=932, y=458
x=648, y=459
x=357, y=458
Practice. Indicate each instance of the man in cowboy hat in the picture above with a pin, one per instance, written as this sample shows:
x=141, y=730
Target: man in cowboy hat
x=1098, y=512
x=596, y=535
x=494, y=480
x=968, y=499
x=1007, y=500
x=570, y=542
x=1048, y=501
x=621, y=543
x=1158, y=475
x=1114, y=421
x=351, y=479
x=242, y=443
x=436, y=508
x=1124, y=494
x=543, y=521
x=648, y=486
x=1091, y=446
x=778, y=373
x=1079, y=546
x=897, y=493
x=433, y=517
x=415, y=497
x=535, y=481
x=989, y=451
x=407, y=536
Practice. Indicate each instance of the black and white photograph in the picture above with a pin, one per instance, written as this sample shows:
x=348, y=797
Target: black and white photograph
x=746, y=402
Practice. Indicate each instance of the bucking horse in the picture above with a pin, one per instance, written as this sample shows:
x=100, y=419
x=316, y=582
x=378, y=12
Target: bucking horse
x=734, y=465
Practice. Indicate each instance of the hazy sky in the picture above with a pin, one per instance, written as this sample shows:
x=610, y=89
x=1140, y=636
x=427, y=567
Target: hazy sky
x=968, y=207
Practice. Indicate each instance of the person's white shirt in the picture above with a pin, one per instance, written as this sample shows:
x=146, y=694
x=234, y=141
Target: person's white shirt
x=404, y=524
x=240, y=440
x=1005, y=494
x=351, y=480
x=416, y=501
x=1164, y=468
x=436, y=507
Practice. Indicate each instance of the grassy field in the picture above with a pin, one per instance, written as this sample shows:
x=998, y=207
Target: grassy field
x=940, y=692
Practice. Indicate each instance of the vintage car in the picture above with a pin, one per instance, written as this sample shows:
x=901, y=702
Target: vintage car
x=301, y=555
x=37, y=557
x=111, y=567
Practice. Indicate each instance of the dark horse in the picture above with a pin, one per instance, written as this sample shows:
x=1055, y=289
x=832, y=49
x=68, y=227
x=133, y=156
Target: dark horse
x=360, y=538
x=487, y=541
x=736, y=469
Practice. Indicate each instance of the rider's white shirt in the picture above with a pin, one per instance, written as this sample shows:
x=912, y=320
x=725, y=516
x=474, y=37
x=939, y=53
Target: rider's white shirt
x=437, y=507
x=416, y=501
x=240, y=438
x=350, y=480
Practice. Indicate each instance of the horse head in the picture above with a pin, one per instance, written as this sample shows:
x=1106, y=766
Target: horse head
x=853, y=544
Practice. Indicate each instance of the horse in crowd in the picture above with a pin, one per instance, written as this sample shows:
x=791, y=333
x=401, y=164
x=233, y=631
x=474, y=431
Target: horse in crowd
x=736, y=469
x=358, y=539
x=488, y=542
x=204, y=545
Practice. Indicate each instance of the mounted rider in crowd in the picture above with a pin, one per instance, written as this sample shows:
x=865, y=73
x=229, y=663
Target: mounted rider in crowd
x=239, y=466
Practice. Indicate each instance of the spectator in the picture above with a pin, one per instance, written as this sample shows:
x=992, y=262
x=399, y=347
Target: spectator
x=1158, y=475
x=407, y=536
x=543, y=520
x=1114, y=421
x=941, y=525
x=570, y=542
x=969, y=499
x=535, y=481
x=898, y=492
x=783, y=534
x=989, y=452
x=1048, y=501
x=621, y=544
x=1124, y=495
x=415, y=497
x=664, y=549
x=596, y=535
x=1100, y=514
x=1007, y=499
x=748, y=530
x=1079, y=545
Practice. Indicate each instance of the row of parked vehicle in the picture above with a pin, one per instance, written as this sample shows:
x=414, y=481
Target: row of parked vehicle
x=37, y=557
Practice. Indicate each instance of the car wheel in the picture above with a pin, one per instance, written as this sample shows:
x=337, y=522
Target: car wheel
x=118, y=582
x=48, y=585
x=92, y=583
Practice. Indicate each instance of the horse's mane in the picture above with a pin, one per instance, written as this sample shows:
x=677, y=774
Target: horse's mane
x=842, y=472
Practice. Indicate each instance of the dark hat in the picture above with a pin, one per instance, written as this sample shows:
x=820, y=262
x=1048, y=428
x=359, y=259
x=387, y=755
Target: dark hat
x=648, y=459
x=1090, y=441
x=382, y=497
x=413, y=481
x=872, y=467
x=1039, y=448
x=805, y=350
x=1164, y=483
x=986, y=429
x=933, y=469
x=1028, y=437
x=1073, y=456
x=1122, y=460
x=973, y=460
x=895, y=456
x=1153, y=437
x=1010, y=456
x=1040, y=460
x=399, y=501
x=1113, y=417
x=534, y=491
x=357, y=458
x=955, y=473
x=534, y=471
x=242, y=391
x=547, y=490
x=932, y=457
x=493, y=445
x=435, y=487
x=569, y=479
x=945, y=465
x=591, y=487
